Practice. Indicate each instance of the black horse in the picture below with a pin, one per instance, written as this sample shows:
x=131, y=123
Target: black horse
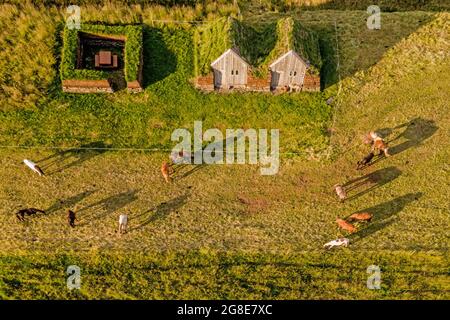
x=28, y=211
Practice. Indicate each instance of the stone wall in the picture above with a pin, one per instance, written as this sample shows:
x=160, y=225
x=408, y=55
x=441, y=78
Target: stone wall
x=258, y=84
x=311, y=83
x=206, y=83
x=134, y=86
x=86, y=86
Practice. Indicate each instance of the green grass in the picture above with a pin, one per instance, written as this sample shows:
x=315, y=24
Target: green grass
x=169, y=101
x=385, y=5
x=133, y=49
x=27, y=60
x=259, y=44
x=226, y=231
x=215, y=275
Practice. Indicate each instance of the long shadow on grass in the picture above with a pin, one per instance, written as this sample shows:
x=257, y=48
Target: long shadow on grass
x=191, y=171
x=416, y=131
x=159, y=61
x=69, y=202
x=212, y=148
x=328, y=71
x=216, y=148
x=366, y=44
x=370, y=182
x=109, y=205
x=66, y=159
x=160, y=211
x=384, y=215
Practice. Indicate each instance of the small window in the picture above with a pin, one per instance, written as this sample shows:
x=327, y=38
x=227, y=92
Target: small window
x=232, y=72
x=295, y=73
x=237, y=72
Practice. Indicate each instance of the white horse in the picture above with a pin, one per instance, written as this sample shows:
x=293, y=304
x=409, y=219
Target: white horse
x=33, y=166
x=337, y=243
x=123, y=221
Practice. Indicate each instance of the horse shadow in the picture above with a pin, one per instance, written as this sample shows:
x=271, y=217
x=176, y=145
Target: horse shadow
x=416, y=131
x=384, y=214
x=69, y=202
x=369, y=182
x=160, y=211
x=216, y=148
x=193, y=170
x=72, y=157
x=185, y=169
x=110, y=204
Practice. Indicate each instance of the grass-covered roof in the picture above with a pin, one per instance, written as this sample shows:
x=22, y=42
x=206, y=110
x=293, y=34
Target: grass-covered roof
x=260, y=45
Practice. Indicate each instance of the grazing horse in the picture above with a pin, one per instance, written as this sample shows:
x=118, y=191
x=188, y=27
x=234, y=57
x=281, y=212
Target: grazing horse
x=340, y=191
x=123, y=223
x=362, y=216
x=378, y=143
x=166, y=170
x=346, y=226
x=71, y=217
x=28, y=211
x=365, y=161
x=337, y=243
x=33, y=166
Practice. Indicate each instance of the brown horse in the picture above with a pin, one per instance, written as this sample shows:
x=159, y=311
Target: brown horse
x=166, y=170
x=361, y=216
x=346, y=226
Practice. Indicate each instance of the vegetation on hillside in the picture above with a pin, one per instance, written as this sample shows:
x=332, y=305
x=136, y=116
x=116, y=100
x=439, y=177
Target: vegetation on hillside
x=260, y=45
x=292, y=35
x=27, y=57
x=385, y=5
x=226, y=231
x=211, y=40
x=269, y=5
x=169, y=101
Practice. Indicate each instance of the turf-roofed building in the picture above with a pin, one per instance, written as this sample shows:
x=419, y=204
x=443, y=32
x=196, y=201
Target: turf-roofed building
x=282, y=56
x=101, y=58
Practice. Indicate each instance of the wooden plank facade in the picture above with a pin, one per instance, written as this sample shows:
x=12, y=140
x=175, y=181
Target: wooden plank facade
x=230, y=70
x=288, y=71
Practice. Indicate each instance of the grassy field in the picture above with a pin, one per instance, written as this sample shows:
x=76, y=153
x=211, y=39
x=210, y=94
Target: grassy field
x=226, y=231
x=384, y=5
x=169, y=101
x=212, y=275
